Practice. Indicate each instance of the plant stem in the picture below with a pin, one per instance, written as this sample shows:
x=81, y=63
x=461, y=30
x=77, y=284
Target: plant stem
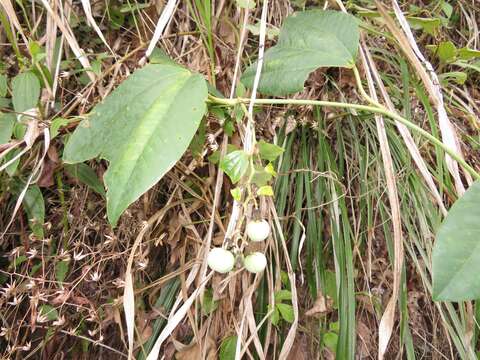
x=375, y=108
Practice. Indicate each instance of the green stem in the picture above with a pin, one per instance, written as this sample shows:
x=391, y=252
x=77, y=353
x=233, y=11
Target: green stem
x=376, y=108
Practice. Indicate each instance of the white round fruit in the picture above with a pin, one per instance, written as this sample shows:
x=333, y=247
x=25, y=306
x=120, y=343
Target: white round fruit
x=255, y=262
x=258, y=230
x=220, y=260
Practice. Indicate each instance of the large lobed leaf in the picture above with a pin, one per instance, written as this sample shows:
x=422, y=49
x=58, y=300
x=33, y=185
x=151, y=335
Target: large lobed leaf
x=142, y=129
x=456, y=254
x=308, y=40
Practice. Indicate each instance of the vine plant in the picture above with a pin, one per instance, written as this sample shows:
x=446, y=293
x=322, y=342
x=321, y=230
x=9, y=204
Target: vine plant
x=148, y=122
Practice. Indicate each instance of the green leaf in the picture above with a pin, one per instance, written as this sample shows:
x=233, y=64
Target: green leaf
x=331, y=287
x=468, y=54
x=142, y=128
x=7, y=121
x=428, y=25
x=330, y=340
x=236, y=194
x=458, y=77
x=286, y=311
x=334, y=326
x=18, y=261
x=198, y=141
x=246, y=4
x=214, y=158
x=261, y=176
x=25, y=91
x=49, y=312
x=270, y=32
x=12, y=168
x=3, y=85
x=269, y=151
x=228, y=348
x=308, y=40
x=269, y=169
x=159, y=56
x=265, y=190
x=275, y=317
x=57, y=124
x=235, y=165
x=446, y=51
x=283, y=295
x=61, y=270
x=86, y=175
x=34, y=206
x=456, y=254
x=473, y=66
x=447, y=9
x=209, y=305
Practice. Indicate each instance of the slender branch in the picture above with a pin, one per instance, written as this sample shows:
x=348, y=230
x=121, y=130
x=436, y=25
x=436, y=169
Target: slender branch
x=375, y=108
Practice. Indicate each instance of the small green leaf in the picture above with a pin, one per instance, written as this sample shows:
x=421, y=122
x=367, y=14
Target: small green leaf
x=49, y=312
x=331, y=287
x=468, y=54
x=7, y=121
x=209, y=305
x=473, y=66
x=235, y=165
x=214, y=158
x=270, y=32
x=334, y=326
x=330, y=340
x=57, y=124
x=275, y=317
x=3, y=85
x=265, y=190
x=458, y=77
x=19, y=261
x=283, y=295
x=142, y=128
x=284, y=279
x=159, y=56
x=428, y=25
x=85, y=174
x=12, y=168
x=61, y=270
x=456, y=253
x=260, y=176
x=236, y=194
x=269, y=151
x=34, y=206
x=286, y=310
x=446, y=51
x=25, y=91
x=447, y=9
x=269, y=169
x=240, y=90
x=198, y=141
x=228, y=348
x=308, y=40
x=246, y=4
x=229, y=127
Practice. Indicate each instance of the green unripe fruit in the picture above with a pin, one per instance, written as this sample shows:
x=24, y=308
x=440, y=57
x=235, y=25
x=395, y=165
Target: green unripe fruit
x=220, y=260
x=255, y=262
x=258, y=230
